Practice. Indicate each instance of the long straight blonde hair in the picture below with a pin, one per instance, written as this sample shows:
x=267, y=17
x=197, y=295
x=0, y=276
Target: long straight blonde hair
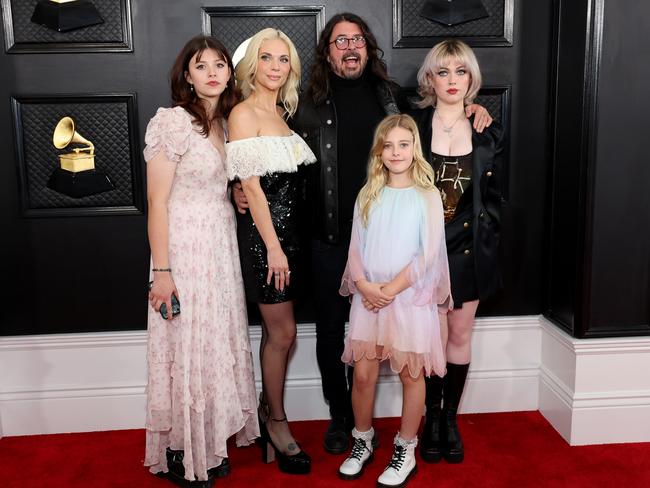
x=377, y=175
x=247, y=69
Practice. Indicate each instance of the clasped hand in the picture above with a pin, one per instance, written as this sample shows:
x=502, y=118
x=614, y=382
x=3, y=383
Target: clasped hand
x=374, y=295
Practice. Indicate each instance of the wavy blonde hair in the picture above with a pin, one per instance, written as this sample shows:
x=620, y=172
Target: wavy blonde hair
x=247, y=69
x=377, y=175
x=438, y=57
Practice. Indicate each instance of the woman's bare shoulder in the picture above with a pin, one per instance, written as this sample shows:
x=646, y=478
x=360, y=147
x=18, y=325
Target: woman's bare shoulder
x=243, y=122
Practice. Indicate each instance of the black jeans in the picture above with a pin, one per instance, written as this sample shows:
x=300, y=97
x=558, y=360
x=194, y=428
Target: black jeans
x=332, y=312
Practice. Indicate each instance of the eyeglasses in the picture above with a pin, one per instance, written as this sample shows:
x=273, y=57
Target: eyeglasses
x=344, y=42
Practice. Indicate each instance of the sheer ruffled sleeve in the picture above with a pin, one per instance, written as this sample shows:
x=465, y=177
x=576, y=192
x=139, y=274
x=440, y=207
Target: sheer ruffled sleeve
x=428, y=272
x=354, y=269
x=169, y=131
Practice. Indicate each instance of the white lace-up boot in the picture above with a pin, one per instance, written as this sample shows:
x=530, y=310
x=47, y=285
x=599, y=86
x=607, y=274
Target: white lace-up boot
x=361, y=454
x=401, y=466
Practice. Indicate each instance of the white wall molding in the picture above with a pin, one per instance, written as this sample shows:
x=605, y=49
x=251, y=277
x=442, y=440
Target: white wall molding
x=595, y=391
x=83, y=382
x=591, y=391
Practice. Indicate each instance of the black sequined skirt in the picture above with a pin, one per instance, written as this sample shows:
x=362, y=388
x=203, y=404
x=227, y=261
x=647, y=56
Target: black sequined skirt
x=282, y=192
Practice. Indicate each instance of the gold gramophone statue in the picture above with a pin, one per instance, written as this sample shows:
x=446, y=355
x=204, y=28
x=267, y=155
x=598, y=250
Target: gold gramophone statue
x=77, y=160
x=76, y=176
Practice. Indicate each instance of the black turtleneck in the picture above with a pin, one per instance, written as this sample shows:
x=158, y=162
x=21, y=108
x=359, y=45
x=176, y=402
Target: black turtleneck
x=358, y=112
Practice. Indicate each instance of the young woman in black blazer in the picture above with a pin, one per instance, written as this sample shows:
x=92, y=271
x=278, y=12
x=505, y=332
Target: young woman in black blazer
x=467, y=166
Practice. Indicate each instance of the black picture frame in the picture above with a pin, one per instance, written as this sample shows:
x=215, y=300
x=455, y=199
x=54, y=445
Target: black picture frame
x=471, y=33
x=32, y=168
x=248, y=19
x=88, y=39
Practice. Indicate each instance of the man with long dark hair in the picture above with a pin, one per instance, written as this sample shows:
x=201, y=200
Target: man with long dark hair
x=349, y=93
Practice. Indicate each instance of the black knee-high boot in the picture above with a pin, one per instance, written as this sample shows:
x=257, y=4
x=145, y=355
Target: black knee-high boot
x=452, y=391
x=430, y=446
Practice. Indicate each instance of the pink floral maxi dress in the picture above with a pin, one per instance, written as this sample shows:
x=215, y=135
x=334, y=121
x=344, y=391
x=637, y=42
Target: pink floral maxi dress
x=405, y=230
x=200, y=388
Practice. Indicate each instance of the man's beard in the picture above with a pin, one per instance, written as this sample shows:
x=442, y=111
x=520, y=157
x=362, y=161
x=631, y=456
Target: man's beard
x=352, y=74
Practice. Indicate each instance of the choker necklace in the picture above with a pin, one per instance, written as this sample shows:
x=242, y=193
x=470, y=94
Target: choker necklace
x=446, y=129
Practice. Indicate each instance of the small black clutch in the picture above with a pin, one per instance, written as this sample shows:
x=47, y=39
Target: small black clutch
x=176, y=305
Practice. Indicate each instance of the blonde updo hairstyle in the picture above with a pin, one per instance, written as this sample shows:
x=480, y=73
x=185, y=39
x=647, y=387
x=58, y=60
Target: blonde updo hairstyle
x=438, y=57
x=246, y=69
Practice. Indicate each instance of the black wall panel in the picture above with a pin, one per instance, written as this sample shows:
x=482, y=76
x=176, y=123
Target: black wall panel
x=567, y=202
x=620, y=281
x=599, y=278
x=88, y=273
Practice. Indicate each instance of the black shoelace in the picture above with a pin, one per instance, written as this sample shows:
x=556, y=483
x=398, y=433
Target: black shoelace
x=357, y=449
x=398, y=458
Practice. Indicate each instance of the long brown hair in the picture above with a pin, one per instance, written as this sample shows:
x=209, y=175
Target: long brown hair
x=184, y=96
x=319, y=79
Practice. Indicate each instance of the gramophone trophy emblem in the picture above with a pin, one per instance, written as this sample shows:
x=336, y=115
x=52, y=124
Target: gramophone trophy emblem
x=66, y=15
x=76, y=176
x=453, y=12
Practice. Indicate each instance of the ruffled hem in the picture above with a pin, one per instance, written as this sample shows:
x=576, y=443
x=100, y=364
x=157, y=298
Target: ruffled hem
x=415, y=362
x=197, y=399
x=197, y=464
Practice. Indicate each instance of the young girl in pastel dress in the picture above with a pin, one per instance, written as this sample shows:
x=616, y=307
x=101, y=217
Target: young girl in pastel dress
x=398, y=276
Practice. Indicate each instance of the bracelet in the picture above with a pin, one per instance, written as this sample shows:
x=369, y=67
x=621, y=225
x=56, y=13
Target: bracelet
x=162, y=270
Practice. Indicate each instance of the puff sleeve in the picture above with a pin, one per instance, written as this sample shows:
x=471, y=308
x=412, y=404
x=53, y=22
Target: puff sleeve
x=169, y=131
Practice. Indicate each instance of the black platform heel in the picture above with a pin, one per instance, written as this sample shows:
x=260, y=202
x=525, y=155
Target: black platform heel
x=176, y=473
x=299, y=463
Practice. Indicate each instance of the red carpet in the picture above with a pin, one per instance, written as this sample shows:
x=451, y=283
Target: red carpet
x=502, y=450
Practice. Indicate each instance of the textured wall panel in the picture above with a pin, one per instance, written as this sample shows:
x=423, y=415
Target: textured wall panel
x=233, y=25
x=106, y=121
x=23, y=35
x=410, y=29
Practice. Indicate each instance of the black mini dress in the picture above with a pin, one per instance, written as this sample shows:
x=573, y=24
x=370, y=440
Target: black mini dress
x=277, y=161
x=453, y=177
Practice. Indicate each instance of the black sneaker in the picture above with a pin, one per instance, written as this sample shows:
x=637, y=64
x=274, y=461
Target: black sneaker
x=337, y=437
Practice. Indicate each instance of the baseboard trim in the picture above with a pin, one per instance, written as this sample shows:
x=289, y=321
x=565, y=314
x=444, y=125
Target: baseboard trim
x=584, y=403
x=519, y=363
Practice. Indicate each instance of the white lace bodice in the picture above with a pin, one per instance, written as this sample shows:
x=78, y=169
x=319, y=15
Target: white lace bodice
x=261, y=155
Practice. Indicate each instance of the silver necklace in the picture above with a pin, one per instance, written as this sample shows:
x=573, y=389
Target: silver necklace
x=447, y=129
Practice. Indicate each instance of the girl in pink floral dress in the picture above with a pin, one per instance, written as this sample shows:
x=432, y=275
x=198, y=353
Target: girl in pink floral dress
x=200, y=387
